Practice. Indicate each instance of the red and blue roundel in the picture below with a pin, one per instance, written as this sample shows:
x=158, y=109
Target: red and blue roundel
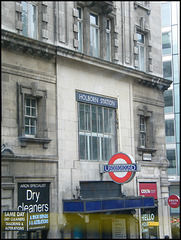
x=121, y=177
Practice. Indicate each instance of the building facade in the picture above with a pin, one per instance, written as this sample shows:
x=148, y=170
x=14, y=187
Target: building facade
x=171, y=70
x=82, y=81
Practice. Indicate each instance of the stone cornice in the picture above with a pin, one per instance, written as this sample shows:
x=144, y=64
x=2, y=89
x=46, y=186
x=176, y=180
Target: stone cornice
x=17, y=43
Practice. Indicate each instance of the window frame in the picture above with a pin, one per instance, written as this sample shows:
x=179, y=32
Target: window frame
x=29, y=23
x=88, y=133
x=96, y=37
x=141, y=48
x=30, y=117
x=32, y=91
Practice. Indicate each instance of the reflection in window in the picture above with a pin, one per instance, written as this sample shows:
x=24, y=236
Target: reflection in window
x=94, y=35
x=166, y=15
x=141, y=51
x=96, y=132
x=169, y=131
x=166, y=43
x=29, y=19
x=80, y=30
x=168, y=98
x=167, y=70
x=172, y=159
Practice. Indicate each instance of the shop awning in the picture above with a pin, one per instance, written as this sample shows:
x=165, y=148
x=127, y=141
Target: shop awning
x=104, y=205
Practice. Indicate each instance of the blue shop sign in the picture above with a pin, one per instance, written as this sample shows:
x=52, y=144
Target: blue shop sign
x=94, y=99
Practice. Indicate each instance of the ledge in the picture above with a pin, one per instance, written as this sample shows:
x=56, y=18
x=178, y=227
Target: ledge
x=25, y=140
x=147, y=150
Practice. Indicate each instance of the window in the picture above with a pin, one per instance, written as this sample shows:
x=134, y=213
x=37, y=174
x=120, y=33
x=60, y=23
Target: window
x=97, y=134
x=142, y=131
x=80, y=30
x=172, y=159
x=94, y=35
x=141, y=51
x=108, y=40
x=168, y=98
x=167, y=70
x=166, y=15
x=169, y=131
x=29, y=19
x=31, y=117
x=166, y=43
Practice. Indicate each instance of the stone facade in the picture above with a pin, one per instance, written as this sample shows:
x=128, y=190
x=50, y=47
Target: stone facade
x=51, y=70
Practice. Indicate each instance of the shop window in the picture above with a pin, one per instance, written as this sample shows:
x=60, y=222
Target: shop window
x=141, y=51
x=168, y=98
x=171, y=156
x=169, y=131
x=97, y=134
x=31, y=117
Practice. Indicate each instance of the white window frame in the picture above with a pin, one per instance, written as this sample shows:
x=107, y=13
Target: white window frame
x=30, y=117
x=141, y=50
x=88, y=133
x=95, y=37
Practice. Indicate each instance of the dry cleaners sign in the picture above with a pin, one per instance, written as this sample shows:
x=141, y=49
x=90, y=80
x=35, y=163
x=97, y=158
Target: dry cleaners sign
x=121, y=168
x=34, y=199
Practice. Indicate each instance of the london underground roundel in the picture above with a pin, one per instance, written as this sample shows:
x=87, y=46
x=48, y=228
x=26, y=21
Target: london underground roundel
x=174, y=201
x=122, y=159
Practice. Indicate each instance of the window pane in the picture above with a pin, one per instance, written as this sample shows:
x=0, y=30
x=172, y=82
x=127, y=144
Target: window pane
x=172, y=159
x=177, y=98
x=166, y=43
x=95, y=148
x=140, y=38
x=27, y=111
x=175, y=39
x=169, y=131
x=100, y=120
x=106, y=124
x=87, y=117
x=32, y=130
x=25, y=19
x=81, y=117
x=94, y=119
x=166, y=19
x=82, y=146
x=27, y=130
x=167, y=70
x=168, y=98
x=175, y=69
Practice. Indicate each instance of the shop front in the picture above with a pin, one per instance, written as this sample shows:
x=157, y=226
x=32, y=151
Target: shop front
x=107, y=214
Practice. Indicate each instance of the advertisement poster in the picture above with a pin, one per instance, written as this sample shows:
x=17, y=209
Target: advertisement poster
x=119, y=229
x=34, y=199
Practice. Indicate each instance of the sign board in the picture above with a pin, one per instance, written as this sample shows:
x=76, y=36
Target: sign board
x=121, y=168
x=148, y=190
x=119, y=229
x=14, y=221
x=174, y=201
x=34, y=198
x=98, y=100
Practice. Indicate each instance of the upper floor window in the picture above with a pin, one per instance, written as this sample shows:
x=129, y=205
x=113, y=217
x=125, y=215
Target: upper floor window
x=166, y=43
x=168, y=98
x=30, y=116
x=108, y=40
x=167, y=70
x=142, y=131
x=141, y=51
x=29, y=19
x=80, y=29
x=94, y=35
x=169, y=131
x=166, y=14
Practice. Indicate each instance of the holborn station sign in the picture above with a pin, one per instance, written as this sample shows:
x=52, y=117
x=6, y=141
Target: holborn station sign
x=121, y=168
